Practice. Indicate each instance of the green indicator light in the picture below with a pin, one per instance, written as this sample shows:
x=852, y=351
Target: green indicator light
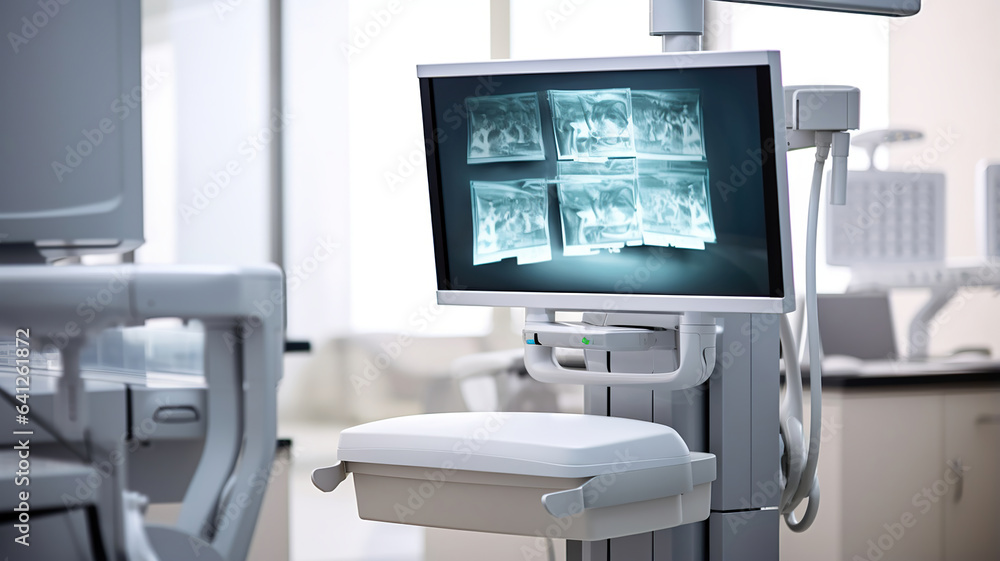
x=586, y=341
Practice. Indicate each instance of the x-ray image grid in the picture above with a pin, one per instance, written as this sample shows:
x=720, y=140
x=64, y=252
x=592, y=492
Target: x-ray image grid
x=667, y=124
x=618, y=166
x=598, y=212
x=510, y=219
x=592, y=123
x=676, y=208
x=504, y=128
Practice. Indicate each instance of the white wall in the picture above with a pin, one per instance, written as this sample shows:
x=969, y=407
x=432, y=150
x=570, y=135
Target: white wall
x=221, y=62
x=317, y=167
x=945, y=81
x=212, y=109
x=816, y=48
x=392, y=274
x=580, y=28
x=159, y=137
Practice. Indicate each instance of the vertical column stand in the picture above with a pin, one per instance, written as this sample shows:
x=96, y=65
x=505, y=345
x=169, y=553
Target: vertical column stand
x=734, y=415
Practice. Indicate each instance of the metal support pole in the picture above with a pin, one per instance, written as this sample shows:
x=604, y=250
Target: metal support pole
x=681, y=43
x=276, y=82
x=919, y=331
x=681, y=23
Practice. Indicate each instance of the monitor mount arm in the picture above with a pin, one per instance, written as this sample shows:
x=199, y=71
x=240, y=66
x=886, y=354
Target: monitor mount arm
x=681, y=23
x=694, y=339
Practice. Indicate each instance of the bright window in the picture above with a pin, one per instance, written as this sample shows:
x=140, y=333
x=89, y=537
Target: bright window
x=816, y=48
x=392, y=275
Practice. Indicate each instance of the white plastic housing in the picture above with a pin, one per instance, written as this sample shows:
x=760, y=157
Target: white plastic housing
x=822, y=108
x=542, y=444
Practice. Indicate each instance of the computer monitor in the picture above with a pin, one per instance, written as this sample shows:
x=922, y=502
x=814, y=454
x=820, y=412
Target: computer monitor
x=71, y=151
x=637, y=184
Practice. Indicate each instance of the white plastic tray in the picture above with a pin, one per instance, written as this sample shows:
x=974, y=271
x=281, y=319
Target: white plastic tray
x=579, y=477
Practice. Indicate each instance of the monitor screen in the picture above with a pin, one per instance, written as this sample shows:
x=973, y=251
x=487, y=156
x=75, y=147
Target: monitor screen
x=71, y=154
x=589, y=182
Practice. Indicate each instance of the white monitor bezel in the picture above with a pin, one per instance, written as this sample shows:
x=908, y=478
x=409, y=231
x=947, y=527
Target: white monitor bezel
x=640, y=302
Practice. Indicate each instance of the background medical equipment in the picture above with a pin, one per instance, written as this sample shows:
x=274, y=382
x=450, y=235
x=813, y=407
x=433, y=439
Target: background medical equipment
x=498, y=381
x=892, y=235
x=988, y=193
x=102, y=444
x=895, y=216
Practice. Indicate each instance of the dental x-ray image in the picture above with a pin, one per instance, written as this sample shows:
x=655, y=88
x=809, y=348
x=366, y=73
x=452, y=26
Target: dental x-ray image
x=510, y=219
x=504, y=128
x=676, y=208
x=592, y=124
x=598, y=212
x=667, y=124
x=617, y=166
